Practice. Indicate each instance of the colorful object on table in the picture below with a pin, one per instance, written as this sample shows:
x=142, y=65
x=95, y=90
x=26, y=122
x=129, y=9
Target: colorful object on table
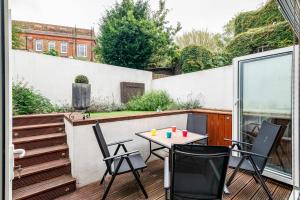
x=173, y=128
x=153, y=132
x=168, y=134
x=184, y=133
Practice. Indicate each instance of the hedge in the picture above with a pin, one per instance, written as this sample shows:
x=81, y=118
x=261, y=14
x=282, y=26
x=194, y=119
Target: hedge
x=194, y=58
x=266, y=15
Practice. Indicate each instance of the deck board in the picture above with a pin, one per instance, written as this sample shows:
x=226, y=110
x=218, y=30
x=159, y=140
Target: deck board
x=243, y=187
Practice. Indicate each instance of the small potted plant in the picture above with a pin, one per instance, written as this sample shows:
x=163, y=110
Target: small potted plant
x=81, y=93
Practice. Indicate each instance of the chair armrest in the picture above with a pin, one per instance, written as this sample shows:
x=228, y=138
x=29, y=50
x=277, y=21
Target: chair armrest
x=234, y=141
x=120, y=155
x=249, y=153
x=120, y=142
x=166, y=173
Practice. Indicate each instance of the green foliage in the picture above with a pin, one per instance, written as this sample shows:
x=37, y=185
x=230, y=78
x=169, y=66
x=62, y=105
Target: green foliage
x=105, y=105
x=273, y=36
x=195, y=58
x=150, y=101
x=52, y=52
x=202, y=38
x=16, y=40
x=266, y=15
x=187, y=105
x=81, y=79
x=27, y=101
x=221, y=59
x=132, y=36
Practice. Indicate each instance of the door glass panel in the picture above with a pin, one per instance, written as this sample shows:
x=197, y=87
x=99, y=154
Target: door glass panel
x=265, y=92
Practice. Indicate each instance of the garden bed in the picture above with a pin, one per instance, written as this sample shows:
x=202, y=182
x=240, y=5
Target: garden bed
x=118, y=114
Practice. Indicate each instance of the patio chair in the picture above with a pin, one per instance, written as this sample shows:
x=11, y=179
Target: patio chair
x=197, y=123
x=254, y=161
x=119, y=163
x=197, y=172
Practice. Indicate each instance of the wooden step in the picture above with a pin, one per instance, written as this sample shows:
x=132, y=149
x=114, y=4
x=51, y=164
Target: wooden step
x=40, y=141
x=40, y=129
x=25, y=120
x=42, y=155
x=41, y=172
x=46, y=190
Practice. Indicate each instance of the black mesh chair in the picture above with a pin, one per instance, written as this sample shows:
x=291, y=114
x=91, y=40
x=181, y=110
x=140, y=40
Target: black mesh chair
x=197, y=123
x=119, y=163
x=254, y=161
x=197, y=172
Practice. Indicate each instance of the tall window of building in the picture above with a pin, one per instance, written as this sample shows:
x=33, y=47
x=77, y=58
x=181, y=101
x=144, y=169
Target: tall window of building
x=51, y=45
x=39, y=45
x=64, y=47
x=81, y=50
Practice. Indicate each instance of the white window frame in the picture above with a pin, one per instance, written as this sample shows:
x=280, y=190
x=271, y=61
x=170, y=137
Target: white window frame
x=78, y=50
x=38, y=42
x=62, y=45
x=51, y=45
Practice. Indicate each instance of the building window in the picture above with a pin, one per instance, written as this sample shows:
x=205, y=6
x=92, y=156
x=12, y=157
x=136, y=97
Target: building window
x=64, y=47
x=39, y=45
x=51, y=45
x=81, y=50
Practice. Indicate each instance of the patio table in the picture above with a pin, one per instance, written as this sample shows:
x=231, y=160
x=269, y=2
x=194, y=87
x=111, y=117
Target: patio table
x=166, y=143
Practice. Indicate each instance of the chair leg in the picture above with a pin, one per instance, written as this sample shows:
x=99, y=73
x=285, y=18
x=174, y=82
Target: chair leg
x=103, y=178
x=235, y=171
x=166, y=194
x=112, y=179
x=108, y=187
x=255, y=178
x=137, y=178
x=260, y=179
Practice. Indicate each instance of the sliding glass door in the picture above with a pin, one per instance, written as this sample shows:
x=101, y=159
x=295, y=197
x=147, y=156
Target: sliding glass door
x=265, y=94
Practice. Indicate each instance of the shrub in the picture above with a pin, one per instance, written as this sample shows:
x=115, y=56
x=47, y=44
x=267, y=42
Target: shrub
x=27, y=101
x=190, y=103
x=52, y=52
x=194, y=58
x=150, y=101
x=81, y=79
x=273, y=36
x=105, y=105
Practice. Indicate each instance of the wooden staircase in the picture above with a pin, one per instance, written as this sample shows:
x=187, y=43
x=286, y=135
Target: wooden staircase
x=45, y=171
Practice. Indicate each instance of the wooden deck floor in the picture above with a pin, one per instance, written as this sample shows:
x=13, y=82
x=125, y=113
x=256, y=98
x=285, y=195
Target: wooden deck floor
x=125, y=188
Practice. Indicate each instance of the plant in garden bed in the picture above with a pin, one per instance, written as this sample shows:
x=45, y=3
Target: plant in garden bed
x=191, y=103
x=105, y=105
x=28, y=101
x=150, y=101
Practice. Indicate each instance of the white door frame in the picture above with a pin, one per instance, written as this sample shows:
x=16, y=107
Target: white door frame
x=5, y=102
x=295, y=109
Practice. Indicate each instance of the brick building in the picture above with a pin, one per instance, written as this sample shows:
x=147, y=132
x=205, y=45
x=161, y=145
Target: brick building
x=69, y=42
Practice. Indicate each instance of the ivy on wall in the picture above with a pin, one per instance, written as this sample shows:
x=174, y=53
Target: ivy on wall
x=272, y=37
x=264, y=16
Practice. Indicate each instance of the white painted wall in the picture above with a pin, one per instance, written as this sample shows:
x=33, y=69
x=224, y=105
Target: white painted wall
x=214, y=87
x=53, y=76
x=85, y=155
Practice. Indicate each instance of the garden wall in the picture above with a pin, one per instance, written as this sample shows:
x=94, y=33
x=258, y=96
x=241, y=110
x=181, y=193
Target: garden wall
x=214, y=87
x=85, y=154
x=53, y=76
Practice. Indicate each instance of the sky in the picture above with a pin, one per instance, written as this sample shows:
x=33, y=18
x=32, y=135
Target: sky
x=209, y=15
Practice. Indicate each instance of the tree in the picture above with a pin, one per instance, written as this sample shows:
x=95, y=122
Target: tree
x=194, y=58
x=16, y=40
x=202, y=38
x=133, y=36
